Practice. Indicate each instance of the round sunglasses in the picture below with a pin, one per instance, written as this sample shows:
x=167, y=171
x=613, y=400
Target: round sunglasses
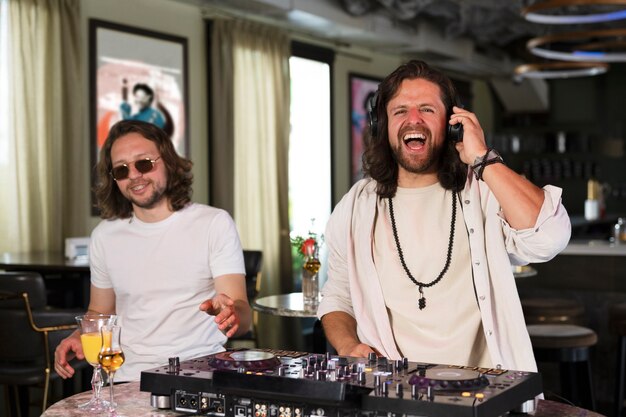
x=143, y=166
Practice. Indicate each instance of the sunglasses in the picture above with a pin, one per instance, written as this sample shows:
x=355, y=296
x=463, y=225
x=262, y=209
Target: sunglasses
x=143, y=166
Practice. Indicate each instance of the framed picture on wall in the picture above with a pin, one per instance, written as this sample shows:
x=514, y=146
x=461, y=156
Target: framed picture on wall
x=137, y=74
x=362, y=87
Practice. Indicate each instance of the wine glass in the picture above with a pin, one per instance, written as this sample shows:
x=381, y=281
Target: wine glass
x=91, y=340
x=111, y=356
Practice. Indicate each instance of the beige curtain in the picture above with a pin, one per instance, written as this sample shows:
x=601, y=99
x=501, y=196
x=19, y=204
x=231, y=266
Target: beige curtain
x=43, y=121
x=261, y=110
x=250, y=64
x=222, y=146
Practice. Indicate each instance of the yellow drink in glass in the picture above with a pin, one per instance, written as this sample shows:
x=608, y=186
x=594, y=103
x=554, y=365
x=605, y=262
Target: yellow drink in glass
x=92, y=342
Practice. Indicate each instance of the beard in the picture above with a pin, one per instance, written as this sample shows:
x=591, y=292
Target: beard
x=413, y=164
x=152, y=201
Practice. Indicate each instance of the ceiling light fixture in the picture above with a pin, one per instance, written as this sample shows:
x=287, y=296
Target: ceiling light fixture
x=529, y=13
x=559, y=70
x=581, y=51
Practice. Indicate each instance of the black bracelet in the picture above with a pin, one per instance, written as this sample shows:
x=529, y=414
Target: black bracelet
x=482, y=162
x=480, y=159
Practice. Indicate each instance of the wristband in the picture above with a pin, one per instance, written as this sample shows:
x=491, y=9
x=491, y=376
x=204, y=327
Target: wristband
x=490, y=157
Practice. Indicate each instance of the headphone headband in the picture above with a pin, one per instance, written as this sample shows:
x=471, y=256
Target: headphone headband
x=372, y=115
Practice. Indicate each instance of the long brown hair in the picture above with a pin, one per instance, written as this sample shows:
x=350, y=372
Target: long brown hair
x=378, y=159
x=109, y=199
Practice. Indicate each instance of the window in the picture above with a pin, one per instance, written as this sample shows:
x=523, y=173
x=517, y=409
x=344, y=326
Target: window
x=310, y=176
x=4, y=83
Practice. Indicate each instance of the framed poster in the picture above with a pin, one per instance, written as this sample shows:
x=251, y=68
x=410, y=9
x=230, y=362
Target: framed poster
x=137, y=74
x=362, y=87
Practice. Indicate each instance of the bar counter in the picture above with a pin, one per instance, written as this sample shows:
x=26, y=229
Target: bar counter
x=595, y=248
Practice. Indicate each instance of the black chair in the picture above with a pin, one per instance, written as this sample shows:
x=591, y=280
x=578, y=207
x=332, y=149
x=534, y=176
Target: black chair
x=29, y=333
x=253, y=261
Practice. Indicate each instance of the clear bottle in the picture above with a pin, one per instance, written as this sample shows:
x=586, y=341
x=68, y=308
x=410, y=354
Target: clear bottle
x=310, y=277
x=619, y=231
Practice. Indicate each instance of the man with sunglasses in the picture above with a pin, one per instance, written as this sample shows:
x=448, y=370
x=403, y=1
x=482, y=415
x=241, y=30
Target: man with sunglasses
x=159, y=261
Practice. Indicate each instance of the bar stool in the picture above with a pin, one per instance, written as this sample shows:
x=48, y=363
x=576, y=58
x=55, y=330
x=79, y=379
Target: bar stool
x=553, y=311
x=568, y=345
x=617, y=323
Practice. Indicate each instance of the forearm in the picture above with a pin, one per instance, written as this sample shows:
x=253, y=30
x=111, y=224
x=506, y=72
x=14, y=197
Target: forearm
x=340, y=331
x=101, y=301
x=244, y=312
x=520, y=199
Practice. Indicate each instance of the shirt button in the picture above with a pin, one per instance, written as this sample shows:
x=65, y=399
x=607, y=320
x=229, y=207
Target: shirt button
x=489, y=332
x=482, y=298
x=471, y=230
x=466, y=201
x=476, y=262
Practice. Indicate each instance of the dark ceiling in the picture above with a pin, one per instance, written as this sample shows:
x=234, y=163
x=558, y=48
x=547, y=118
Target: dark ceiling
x=494, y=25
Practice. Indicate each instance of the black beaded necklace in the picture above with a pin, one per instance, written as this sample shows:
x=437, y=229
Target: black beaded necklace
x=421, y=285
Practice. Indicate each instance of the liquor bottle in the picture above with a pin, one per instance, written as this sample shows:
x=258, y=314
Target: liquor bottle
x=592, y=203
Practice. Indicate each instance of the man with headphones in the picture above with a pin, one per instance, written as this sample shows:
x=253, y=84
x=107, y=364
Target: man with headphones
x=420, y=251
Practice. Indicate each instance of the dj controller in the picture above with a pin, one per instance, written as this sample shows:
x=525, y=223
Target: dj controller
x=275, y=383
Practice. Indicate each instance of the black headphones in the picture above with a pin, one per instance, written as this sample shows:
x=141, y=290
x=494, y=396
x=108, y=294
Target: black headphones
x=454, y=132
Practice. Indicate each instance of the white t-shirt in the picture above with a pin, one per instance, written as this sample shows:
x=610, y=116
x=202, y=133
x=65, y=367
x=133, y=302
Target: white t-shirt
x=161, y=272
x=449, y=329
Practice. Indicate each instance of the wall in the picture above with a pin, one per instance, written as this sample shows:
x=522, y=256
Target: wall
x=363, y=63
x=172, y=18
x=186, y=20
x=588, y=106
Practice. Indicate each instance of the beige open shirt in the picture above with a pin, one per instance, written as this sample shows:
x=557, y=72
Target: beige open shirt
x=353, y=286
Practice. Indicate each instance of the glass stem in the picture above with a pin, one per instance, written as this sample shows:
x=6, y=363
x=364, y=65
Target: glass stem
x=96, y=382
x=111, y=375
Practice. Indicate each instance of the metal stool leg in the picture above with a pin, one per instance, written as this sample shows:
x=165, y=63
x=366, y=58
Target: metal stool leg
x=589, y=397
x=577, y=384
x=619, y=386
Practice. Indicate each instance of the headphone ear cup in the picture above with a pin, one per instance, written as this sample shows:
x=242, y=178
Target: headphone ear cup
x=455, y=132
x=372, y=116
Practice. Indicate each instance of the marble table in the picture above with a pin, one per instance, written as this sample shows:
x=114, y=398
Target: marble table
x=292, y=305
x=134, y=403
x=524, y=271
x=285, y=305
x=130, y=403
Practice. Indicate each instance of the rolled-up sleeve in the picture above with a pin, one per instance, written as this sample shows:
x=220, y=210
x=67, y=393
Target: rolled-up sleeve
x=549, y=236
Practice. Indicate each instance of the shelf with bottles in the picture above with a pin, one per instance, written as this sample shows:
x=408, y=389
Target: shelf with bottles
x=547, y=168
x=560, y=142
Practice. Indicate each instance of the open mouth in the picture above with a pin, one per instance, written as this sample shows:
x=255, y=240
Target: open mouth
x=414, y=141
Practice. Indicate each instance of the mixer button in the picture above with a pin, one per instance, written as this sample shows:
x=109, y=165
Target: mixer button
x=400, y=390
